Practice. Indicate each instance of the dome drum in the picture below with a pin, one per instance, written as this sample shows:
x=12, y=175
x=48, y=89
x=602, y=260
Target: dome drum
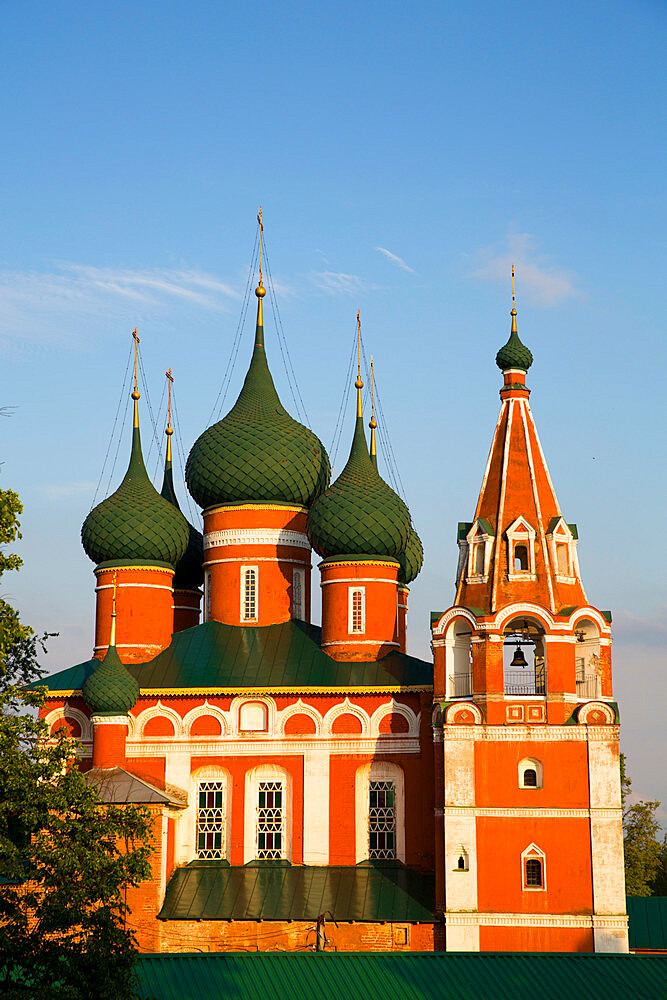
x=359, y=604
x=144, y=610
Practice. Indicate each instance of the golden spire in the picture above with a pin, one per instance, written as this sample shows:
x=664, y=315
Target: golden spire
x=112, y=637
x=135, y=391
x=170, y=430
x=260, y=291
x=513, y=313
x=372, y=423
x=358, y=385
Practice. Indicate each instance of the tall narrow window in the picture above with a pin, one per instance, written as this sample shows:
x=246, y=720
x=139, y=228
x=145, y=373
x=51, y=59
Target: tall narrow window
x=211, y=820
x=382, y=821
x=521, y=564
x=298, y=588
x=207, y=595
x=533, y=869
x=249, y=593
x=357, y=610
x=533, y=873
x=270, y=820
x=563, y=558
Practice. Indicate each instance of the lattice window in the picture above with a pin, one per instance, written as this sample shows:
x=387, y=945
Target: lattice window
x=207, y=595
x=382, y=820
x=357, y=611
x=533, y=876
x=249, y=594
x=270, y=820
x=211, y=820
x=298, y=607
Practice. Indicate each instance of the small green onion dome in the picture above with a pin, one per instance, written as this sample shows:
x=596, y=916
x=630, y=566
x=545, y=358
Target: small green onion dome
x=135, y=523
x=189, y=574
x=359, y=514
x=110, y=689
x=514, y=354
x=411, y=558
x=257, y=453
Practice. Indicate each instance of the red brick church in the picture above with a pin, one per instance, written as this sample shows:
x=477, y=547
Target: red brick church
x=318, y=787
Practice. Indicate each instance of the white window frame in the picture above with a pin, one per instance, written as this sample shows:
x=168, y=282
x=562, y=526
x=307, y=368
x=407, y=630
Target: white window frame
x=185, y=845
x=253, y=729
x=378, y=771
x=207, y=595
x=299, y=606
x=475, y=538
x=533, y=853
x=531, y=764
x=266, y=772
x=562, y=535
x=244, y=572
x=350, y=610
x=520, y=532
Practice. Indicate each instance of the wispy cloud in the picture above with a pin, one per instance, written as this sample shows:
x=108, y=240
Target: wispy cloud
x=63, y=491
x=632, y=628
x=46, y=307
x=396, y=260
x=542, y=282
x=337, y=283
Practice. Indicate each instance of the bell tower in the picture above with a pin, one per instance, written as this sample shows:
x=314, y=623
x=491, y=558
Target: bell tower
x=526, y=728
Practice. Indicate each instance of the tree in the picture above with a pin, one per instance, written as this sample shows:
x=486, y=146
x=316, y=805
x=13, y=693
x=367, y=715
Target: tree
x=66, y=858
x=643, y=851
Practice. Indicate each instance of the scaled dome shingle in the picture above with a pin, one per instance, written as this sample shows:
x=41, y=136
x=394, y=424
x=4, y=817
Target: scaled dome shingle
x=189, y=572
x=411, y=558
x=110, y=689
x=258, y=452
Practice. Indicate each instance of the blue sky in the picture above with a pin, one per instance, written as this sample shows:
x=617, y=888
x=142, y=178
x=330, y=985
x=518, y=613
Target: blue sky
x=405, y=155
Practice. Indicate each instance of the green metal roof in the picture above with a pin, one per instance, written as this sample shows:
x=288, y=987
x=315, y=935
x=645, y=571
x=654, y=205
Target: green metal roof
x=514, y=354
x=648, y=922
x=265, y=891
x=189, y=574
x=400, y=976
x=110, y=689
x=288, y=655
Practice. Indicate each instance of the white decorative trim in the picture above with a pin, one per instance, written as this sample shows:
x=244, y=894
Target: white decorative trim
x=347, y=708
x=124, y=586
x=536, y=734
x=362, y=746
x=259, y=559
x=68, y=711
x=157, y=711
x=516, y=610
x=245, y=571
x=619, y=922
x=394, y=707
x=256, y=536
x=359, y=579
x=378, y=770
x=299, y=708
x=188, y=820
x=518, y=812
x=533, y=853
x=234, y=715
x=109, y=720
x=359, y=642
x=266, y=772
x=447, y=617
x=531, y=764
x=351, y=594
x=501, y=506
x=587, y=612
x=595, y=706
x=469, y=706
x=203, y=710
x=525, y=412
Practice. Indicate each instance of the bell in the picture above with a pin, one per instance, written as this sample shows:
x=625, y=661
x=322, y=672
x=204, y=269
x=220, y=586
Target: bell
x=519, y=660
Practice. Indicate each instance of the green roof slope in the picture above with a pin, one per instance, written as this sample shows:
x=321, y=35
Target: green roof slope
x=288, y=655
x=263, y=891
x=400, y=976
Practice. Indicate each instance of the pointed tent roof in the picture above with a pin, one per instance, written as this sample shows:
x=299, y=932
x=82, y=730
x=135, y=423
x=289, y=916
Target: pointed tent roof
x=189, y=572
x=517, y=485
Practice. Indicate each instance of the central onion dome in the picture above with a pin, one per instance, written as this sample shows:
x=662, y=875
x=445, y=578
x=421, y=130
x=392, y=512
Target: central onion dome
x=110, y=689
x=359, y=514
x=514, y=354
x=411, y=559
x=135, y=523
x=189, y=573
x=258, y=452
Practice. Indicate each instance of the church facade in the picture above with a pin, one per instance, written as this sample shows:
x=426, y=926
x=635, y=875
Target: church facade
x=318, y=787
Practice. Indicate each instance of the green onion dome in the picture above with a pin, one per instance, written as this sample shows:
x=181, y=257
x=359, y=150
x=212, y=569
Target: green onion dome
x=514, y=354
x=359, y=514
x=189, y=574
x=135, y=523
x=411, y=558
x=110, y=689
x=257, y=453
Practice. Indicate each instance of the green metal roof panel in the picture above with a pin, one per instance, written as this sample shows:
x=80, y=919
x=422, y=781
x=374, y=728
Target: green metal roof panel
x=648, y=922
x=299, y=892
x=400, y=976
x=213, y=655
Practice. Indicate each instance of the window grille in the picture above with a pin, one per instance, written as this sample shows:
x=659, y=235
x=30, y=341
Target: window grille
x=270, y=820
x=297, y=594
x=207, y=595
x=249, y=594
x=534, y=873
x=382, y=820
x=211, y=820
x=357, y=616
x=530, y=778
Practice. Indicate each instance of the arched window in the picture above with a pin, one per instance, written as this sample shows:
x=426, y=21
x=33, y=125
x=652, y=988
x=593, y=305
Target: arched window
x=533, y=869
x=357, y=610
x=249, y=593
x=530, y=773
x=253, y=717
x=211, y=819
x=380, y=812
x=268, y=821
x=203, y=829
x=587, y=660
x=298, y=594
x=207, y=595
x=521, y=564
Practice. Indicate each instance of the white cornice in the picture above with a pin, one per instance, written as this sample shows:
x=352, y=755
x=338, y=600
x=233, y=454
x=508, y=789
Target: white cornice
x=256, y=536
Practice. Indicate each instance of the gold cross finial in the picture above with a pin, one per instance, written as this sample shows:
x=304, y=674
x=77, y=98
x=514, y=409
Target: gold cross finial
x=513, y=313
x=372, y=423
x=261, y=230
x=170, y=430
x=260, y=291
x=135, y=391
x=358, y=385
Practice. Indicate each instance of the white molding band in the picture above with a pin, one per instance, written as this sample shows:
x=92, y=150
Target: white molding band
x=256, y=536
x=221, y=746
x=110, y=720
x=360, y=579
x=528, y=813
x=258, y=559
x=359, y=642
x=616, y=922
x=539, y=733
x=124, y=586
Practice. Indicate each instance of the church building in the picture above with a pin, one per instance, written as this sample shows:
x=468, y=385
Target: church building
x=316, y=787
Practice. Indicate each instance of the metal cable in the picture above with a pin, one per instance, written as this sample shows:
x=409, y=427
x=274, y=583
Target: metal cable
x=144, y=382
x=282, y=341
x=385, y=440
x=113, y=429
x=195, y=515
x=346, y=390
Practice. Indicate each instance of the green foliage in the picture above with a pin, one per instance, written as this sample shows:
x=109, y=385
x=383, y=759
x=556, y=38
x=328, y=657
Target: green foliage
x=645, y=856
x=66, y=861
